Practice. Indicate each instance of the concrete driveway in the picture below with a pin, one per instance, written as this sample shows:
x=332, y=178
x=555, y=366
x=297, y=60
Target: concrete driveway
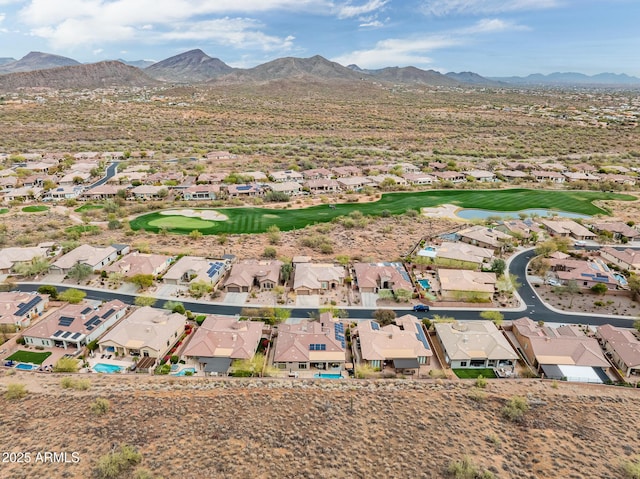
x=235, y=298
x=369, y=300
x=308, y=301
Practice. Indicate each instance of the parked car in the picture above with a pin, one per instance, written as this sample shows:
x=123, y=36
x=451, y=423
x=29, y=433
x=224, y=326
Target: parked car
x=421, y=307
x=580, y=243
x=553, y=282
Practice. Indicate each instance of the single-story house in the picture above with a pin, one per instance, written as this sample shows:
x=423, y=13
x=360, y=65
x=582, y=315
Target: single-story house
x=550, y=176
x=475, y=344
x=484, y=237
x=190, y=269
x=627, y=259
x=343, y=171
x=93, y=256
x=140, y=263
x=317, y=174
x=461, y=254
x=265, y=275
x=403, y=345
x=287, y=175
x=567, y=228
x=372, y=277
x=17, y=308
x=10, y=257
x=102, y=192
x=311, y=345
x=147, y=192
x=452, y=176
x=237, y=191
x=621, y=231
x=322, y=185
x=74, y=325
x=419, y=178
x=353, y=182
x=290, y=188
x=314, y=278
x=147, y=332
x=466, y=285
x=482, y=176
x=585, y=273
x=622, y=346
x=201, y=192
x=221, y=340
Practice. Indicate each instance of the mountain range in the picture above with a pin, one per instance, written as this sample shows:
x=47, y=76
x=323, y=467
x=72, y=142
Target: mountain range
x=39, y=69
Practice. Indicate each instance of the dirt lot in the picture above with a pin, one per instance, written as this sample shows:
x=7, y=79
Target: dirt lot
x=587, y=302
x=195, y=428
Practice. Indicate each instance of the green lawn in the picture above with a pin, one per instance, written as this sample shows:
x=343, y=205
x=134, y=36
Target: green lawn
x=257, y=220
x=474, y=373
x=35, y=208
x=29, y=357
x=88, y=208
x=3, y=210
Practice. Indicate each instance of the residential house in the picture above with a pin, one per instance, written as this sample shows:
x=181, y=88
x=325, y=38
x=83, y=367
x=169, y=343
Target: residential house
x=619, y=230
x=287, y=175
x=189, y=269
x=354, y=183
x=317, y=174
x=243, y=191
x=402, y=346
x=211, y=178
x=315, y=278
x=552, y=166
x=290, y=188
x=10, y=257
x=372, y=277
x=311, y=345
x=94, y=256
x=579, y=176
x=564, y=352
x=452, y=176
x=244, y=276
x=407, y=168
x=377, y=180
x=419, y=178
x=628, y=259
x=257, y=176
x=512, y=175
x=63, y=193
x=322, y=186
x=438, y=166
x=482, y=176
x=140, y=263
x=17, y=308
x=568, y=228
x=147, y=192
x=74, y=178
x=585, y=273
x=8, y=183
x=221, y=340
x=128, y=178
x=343, y=171
x=24, y=193
x=74, y=325
x=475, y=344
x=551, y=176
x=466, y=285
x=484, y=237
x=622, y=346
x=147, y=332
x=458, y=254
x=201, y=192
x=620, y=179
x=102, y=192
x=520, y=229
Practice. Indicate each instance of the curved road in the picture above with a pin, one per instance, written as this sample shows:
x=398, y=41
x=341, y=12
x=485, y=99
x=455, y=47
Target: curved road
x=535, y=308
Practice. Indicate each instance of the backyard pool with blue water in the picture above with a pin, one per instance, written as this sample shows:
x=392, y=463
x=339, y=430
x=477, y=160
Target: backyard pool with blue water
x=327, y=376
x=424, y=283
x=106, y=368
x=25, y=366
x=183, y=372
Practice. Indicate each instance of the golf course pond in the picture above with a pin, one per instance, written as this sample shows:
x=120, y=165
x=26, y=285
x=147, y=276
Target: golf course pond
x=250, y=220
x=474, y=214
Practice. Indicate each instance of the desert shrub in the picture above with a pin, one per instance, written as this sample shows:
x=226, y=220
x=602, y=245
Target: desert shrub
x=77, y=384
x=631, y=469
x=515, y=408
x=100, y=406
x=481, y=382
x=466, y=469
x=118, y=463
x=66, y=365
x=384, y=316
x=477, y=395
x=15, y=391
x=364, y=371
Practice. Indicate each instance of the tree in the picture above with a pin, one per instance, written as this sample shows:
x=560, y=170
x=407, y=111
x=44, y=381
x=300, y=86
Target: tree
x=285, y=271
x=269, y=252
x=37, y=265
x=498, y=266
x=248, y=367
x=273, y=233
x=143, y=281
x=80, y=272
x=572, y=288
x=144, y=301
x=634, y=285
x=195, y=234
x=600, y=288
x=540, y=266
x=384, y=316
x=174, y=307
x=496, y=316
x=72, y=295
x=52, y=291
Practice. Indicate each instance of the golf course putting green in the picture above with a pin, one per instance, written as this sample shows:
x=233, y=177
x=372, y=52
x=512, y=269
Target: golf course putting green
x=257, y=220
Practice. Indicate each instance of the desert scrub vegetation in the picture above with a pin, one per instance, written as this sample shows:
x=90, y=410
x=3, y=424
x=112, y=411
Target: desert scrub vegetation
x=77, y=384
x=100, y=406
x=466, y=469
x=631, y=468
x=15, y=391
x=118, y=464
x=515, y=409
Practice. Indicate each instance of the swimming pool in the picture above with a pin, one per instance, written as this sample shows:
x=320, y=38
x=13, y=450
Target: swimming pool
x=473, y=213
x=106, y=368
x=327, y=376
x=424, y=283
x=621, y=279
x=183, y=372
x=25, y=366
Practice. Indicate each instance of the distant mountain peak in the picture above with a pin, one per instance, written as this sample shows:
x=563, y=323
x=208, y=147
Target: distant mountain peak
x=192, y=66
x=37, y=61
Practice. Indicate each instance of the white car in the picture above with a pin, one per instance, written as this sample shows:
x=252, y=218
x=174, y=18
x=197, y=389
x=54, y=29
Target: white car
x=580, y=243
x=553, y=282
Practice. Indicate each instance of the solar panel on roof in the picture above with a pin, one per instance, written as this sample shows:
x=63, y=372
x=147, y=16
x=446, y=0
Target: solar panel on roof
x=76, y=336
x=108, y=313
x=65, y=321
x=89, y=328
x=57, y=333
x=66, y=335
x=86, y=310
x=25, y=308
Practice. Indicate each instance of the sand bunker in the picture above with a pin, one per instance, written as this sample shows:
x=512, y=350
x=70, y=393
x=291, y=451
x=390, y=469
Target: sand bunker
x=203, y=214
x=442, y=211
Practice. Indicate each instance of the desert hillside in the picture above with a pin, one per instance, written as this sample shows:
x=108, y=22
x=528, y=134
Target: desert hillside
x=195, y=428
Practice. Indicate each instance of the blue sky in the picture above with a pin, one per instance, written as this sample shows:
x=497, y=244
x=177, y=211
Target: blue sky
x=489, y=37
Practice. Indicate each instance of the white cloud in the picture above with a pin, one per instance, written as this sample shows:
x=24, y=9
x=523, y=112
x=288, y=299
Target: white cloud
x=492, y=25
x=97, y=51
x=2, y=17
x=483, y=7
x=349, y=10
x=372, y=24
x=398, y=51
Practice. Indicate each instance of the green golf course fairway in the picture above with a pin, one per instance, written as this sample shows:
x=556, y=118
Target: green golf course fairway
x=257, y=220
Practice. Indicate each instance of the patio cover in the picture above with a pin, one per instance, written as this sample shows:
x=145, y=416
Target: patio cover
x=215, y=365
x=409, y=363
x=582, y=374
